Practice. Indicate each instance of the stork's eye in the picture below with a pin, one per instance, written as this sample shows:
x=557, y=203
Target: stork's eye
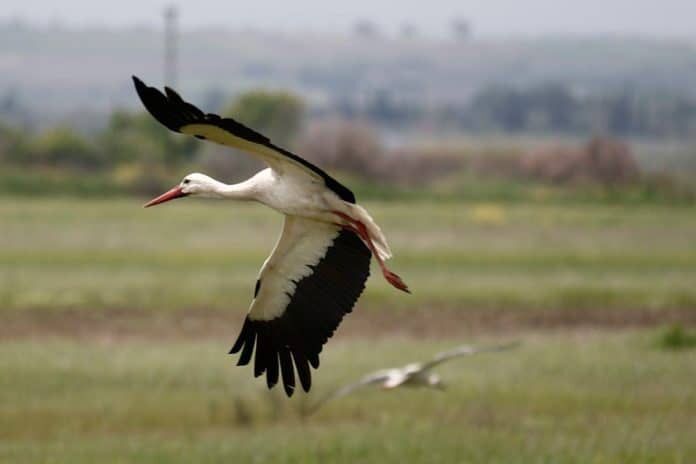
x=186, y=181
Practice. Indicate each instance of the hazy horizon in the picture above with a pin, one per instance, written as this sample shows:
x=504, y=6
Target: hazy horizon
x=533, y=18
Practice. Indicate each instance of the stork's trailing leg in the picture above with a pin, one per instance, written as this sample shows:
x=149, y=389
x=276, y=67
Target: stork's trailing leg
x=361, y=230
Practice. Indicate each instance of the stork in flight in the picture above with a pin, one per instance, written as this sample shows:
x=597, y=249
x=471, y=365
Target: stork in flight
x=321, y=261
x=411, y=375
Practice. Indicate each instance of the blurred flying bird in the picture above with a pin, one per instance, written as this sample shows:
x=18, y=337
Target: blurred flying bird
x=321, y=261
x=411, y=375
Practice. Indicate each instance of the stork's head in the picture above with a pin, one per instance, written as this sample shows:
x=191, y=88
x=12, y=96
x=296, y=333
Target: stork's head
x=192, y=184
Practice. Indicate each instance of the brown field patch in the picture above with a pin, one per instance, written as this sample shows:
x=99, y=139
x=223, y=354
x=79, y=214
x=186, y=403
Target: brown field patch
x=431, y=322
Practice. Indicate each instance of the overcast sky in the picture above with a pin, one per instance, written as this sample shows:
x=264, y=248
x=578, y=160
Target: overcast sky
x=499, y=18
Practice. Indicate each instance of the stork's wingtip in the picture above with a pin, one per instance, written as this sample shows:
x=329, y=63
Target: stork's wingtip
x=172, y=94
x=289, y=390
x=140, y=87
x=235, y=348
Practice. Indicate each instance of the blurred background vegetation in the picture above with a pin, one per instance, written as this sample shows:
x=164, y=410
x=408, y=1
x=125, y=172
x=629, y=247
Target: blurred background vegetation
x=411, y=116
x=131, y=154
x=537, y=189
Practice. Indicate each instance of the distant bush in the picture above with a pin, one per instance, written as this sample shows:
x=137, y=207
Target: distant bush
x=505, y=164
x=13, y=144
x=138, y=137
x=417, y=167
x=135, y=154
x=343, y=145
x=38, y=182
x=676, y=338
x=62, y=146
x=277, y=114
x=602, y=160
x=355, y=148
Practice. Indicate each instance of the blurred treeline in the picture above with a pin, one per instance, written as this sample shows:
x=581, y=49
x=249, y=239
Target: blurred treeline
x=551, y=107
x=546, y=108
x=134, y=154
x=555, y=108
x=50, y=71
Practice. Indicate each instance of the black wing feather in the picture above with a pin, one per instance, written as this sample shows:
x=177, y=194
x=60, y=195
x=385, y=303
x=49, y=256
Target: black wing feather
x=303, y=371
x=316, y=308
x=174, y=113
x=248, y=350
x=287, y=370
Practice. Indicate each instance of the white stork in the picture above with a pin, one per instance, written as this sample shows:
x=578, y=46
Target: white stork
x=321, y=261
x=411, y=375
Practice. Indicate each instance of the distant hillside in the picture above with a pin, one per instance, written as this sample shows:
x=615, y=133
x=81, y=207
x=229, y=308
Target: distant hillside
x=53, y=71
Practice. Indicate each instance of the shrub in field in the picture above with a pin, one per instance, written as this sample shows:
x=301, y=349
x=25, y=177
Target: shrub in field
x=416, y=167
x=277, y=114
x=38, y=181
x=342, y=145
x=138, y=137
x=355, y=148
x=503, y=164
x=13, y=144
x=676, y=338
x=602, y=160
x=64, y=147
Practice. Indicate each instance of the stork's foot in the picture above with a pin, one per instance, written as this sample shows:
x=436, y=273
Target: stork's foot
x=361, y=230
x=395, y=280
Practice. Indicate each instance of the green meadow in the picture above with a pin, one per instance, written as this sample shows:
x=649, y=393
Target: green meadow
x=116, y=321
x=558, y=398
x=95, y=255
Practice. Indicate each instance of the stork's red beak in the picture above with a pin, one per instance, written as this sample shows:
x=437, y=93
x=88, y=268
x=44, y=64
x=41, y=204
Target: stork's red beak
x=174, y=193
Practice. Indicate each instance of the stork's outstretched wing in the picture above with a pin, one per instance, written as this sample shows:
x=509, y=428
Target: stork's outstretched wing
x=312, y=279
x=464, y=350
x=181, y=116
x=370, y=379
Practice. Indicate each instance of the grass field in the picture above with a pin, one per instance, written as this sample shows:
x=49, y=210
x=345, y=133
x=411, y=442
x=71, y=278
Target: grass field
x=116, y=322
x=59, y=255
x=585, y=397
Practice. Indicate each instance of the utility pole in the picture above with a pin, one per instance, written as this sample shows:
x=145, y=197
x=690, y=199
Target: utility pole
x=171, y=33
x=461, y=29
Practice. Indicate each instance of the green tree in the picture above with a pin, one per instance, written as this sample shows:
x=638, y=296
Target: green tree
x=131, y=137
x=277, y=114
x=62, y=146
x=13, y=144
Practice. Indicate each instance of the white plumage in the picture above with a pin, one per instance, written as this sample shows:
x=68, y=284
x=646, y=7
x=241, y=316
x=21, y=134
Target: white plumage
x=321, y=261
x=411, y=375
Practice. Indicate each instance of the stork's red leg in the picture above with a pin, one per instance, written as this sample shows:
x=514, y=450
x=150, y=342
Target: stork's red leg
x=361, y=230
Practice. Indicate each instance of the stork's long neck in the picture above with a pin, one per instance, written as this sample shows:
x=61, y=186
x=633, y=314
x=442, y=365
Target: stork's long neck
x=243, y=191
